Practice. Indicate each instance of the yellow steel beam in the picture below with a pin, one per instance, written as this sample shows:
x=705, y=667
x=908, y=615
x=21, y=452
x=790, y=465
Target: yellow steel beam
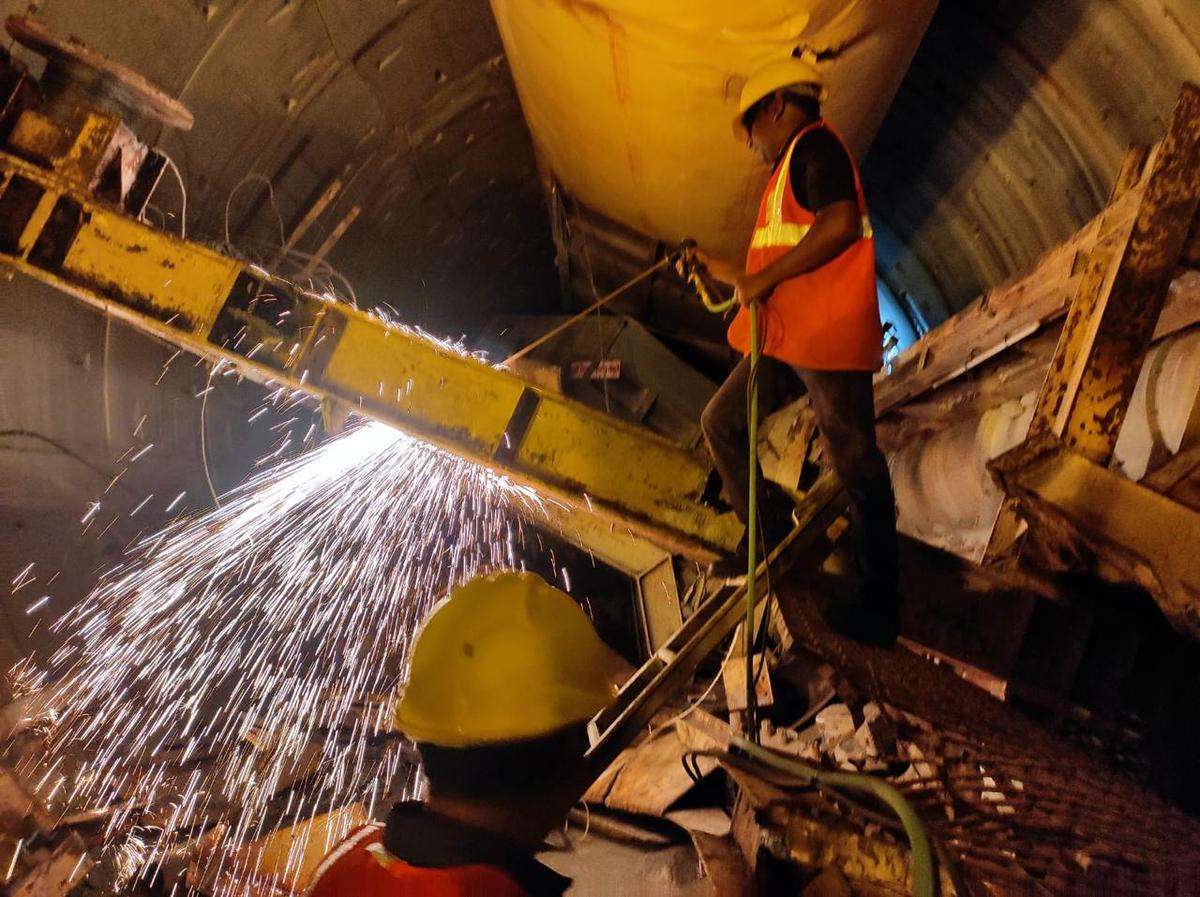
x=1111, y=525
x=209, y=304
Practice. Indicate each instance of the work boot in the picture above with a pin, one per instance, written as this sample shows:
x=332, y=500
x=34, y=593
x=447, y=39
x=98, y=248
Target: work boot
x=869, y=619
x=732, y=568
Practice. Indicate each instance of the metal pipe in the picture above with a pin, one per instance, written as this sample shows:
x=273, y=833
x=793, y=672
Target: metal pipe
x=944, y=492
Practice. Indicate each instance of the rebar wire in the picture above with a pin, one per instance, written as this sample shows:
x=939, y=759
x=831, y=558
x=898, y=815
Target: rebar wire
x=595, y=306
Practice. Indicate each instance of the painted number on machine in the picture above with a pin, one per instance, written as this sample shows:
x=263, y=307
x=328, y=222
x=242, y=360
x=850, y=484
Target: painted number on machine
x=609, y=369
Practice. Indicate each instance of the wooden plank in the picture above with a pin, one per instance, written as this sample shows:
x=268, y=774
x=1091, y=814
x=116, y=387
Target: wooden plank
x=339, y=230
x=332, y=189
x=652, y=777
x=1010, y=374
x=734, y=676
x=621, y=829
x=723, y=865
x=1184, y=472
x=1002, y=316
x=58, y=875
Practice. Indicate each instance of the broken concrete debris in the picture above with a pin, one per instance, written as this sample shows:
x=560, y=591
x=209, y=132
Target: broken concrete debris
x=834, y=724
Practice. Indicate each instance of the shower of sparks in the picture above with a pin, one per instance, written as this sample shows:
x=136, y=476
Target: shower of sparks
x=238, y=668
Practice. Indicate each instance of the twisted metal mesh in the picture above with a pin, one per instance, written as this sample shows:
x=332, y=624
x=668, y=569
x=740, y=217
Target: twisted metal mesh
x=1017, y=808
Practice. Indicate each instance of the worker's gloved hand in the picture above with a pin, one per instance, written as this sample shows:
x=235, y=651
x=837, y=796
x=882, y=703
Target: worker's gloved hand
x=750, y=288
x=693, y=265
x=690, y=258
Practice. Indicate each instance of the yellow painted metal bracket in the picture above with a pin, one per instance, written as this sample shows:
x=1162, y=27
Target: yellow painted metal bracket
x=206, y=303
x=1118, y=528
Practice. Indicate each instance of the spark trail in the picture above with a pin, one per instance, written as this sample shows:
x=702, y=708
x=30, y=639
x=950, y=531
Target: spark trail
x=241, y=650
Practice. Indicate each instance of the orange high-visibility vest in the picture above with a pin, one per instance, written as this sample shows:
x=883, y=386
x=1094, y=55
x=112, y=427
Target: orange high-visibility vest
x=827, y=319
x=360, y=867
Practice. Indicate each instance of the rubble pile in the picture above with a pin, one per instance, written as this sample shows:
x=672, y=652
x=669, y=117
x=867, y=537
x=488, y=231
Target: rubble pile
x=53, y=847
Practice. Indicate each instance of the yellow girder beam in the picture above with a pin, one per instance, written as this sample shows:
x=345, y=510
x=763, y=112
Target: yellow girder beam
x=52, y=229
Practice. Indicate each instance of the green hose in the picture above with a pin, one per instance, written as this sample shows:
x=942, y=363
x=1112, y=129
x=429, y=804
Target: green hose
x=924, y=877
x=702, y=287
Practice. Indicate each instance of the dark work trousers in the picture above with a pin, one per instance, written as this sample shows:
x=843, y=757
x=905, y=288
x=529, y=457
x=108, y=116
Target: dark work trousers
x=843, y=404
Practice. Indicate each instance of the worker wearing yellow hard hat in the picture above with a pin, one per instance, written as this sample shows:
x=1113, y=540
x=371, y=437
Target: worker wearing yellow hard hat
x=795, y=74
x=810, y=266
x=505, y=675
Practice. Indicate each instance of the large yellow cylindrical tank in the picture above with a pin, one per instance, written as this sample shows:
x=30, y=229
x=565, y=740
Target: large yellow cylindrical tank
x=630, y=101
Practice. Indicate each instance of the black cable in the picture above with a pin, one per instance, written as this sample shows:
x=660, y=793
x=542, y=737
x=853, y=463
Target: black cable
x=690, y=760
x=66, y=450
x=760, y=638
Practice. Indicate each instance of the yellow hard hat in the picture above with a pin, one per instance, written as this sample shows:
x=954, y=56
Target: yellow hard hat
x=796, y=72
x=506, y=657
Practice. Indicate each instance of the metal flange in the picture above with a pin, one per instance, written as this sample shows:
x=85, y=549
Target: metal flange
x=73, y=68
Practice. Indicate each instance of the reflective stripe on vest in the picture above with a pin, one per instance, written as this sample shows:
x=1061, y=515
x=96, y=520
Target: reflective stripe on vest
x=340, y=851
x=360, y=866
x=777, y=232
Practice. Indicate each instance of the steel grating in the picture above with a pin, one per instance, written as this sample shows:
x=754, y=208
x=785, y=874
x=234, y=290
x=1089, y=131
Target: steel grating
x=1019, y=809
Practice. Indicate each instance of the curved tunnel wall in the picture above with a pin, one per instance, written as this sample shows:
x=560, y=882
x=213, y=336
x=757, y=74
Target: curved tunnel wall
x=1010, y=127
x=407, y=109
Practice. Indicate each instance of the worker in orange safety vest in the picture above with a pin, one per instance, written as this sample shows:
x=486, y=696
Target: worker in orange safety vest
x=810, y=267
x=505, y=675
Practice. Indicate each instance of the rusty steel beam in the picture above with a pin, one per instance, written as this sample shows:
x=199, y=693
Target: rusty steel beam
x=219, y=308
x=1112, y=318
